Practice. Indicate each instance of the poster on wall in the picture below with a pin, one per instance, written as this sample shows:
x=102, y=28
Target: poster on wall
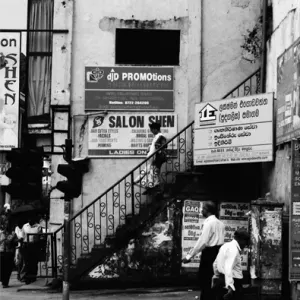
x=192, y=224
x=128, y=134
x=10, y=43
x=234, y=217
x=288, y=94
x=294, y=236
x=129, y=88
x=239, y=130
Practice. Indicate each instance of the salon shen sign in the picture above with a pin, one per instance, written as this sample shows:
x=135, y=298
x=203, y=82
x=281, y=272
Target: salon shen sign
x=128, y=135
x=9, y=89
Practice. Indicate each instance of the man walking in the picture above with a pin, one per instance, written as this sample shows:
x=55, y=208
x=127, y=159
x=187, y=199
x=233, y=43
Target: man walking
x=227, y=281
x=209, y=243
x=30, y=249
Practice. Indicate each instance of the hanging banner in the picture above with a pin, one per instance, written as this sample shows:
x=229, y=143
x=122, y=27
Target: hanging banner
x=9, y=89
x=238, y=130
x=233, y=215
x=294, y=237
x=192, y=224
x=288, y=94
x=128, y=135
x=129, y=88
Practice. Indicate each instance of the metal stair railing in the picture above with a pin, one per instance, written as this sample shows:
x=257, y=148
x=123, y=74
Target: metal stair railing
x=91, y=225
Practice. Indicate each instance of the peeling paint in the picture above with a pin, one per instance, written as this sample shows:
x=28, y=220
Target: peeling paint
x=240, y=3
x=111, y=23
x=82, y=131
x=64, y=48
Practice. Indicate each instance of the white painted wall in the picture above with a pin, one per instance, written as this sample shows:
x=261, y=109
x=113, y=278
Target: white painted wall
x=94, y=44
x=225, y=64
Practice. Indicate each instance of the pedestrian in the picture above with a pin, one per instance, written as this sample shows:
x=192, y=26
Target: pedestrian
x=18, y=253
x=209, y=243
x=8, y=242
x=228, y=274
x=149, y=177
x=30, y=250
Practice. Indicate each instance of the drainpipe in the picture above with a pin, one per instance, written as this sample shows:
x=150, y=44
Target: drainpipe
x=201, y=50
x=264, y=47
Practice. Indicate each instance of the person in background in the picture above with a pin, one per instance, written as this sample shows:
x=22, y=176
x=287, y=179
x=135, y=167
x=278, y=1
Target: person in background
x=18, y=253
x=228, y=275
x=30, y=250
x=149, y=178
x=209, y=243
x=8, y=242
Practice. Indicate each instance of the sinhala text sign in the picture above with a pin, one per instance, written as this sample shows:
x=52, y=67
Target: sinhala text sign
x=237, y=130
x=288, y=94
x=192, y=224
x=234, y=217
x=294, y=235
x=9, y=89
x=128, y=134
x=129, y=88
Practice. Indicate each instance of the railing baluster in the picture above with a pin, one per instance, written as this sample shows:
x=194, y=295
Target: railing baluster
x=132, y=193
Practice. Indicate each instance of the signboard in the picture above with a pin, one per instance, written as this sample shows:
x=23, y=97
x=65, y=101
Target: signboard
x=233, y=215
x=288, y=94
x=9, y=89
x=294, y=237
x=129, y=88
x=128, y=135
x=192, y=224
x=239, y=130
x=4, y=180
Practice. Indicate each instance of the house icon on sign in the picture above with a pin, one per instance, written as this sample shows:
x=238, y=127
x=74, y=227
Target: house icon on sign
x=208, y=115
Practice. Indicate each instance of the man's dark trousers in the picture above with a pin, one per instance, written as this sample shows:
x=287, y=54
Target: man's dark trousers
x=208, y=256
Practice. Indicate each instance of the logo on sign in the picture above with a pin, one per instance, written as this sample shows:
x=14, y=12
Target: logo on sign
x=95, y=75
x=98, y=121
x=208, y=115
x=113, y=76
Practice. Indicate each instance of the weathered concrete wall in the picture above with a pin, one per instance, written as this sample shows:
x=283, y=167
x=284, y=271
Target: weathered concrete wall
x=225, y=62
x=94, y=44
x=286, y=30
x=60, y=95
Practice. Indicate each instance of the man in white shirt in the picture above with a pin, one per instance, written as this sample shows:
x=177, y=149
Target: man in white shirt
x=209, y=243
x=30, y=233
x=228, y=268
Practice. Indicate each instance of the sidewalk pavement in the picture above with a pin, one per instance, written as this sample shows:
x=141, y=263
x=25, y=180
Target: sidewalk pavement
x=44, y=285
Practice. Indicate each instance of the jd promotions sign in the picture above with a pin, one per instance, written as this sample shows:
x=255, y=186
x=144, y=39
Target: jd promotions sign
x=129, y=88
x=128, y=135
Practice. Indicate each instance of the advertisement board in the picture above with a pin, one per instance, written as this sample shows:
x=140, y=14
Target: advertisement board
x=233, y=215
x=294, y=236
x=10, y=43
x=128, y=134
x=238, y=130
x=288, y=94
x=129, y=88
x=192, y=224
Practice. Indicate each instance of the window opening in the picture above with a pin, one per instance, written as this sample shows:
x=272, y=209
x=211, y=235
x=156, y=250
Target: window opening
x=147, y=47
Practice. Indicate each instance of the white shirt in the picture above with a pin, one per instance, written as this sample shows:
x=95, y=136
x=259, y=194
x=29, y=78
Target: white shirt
x=152, y=148
x=213, y=233
x=228, y=263
x=27, y=229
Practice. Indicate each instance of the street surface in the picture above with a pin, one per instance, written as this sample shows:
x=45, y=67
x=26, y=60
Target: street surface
x=12, y=293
